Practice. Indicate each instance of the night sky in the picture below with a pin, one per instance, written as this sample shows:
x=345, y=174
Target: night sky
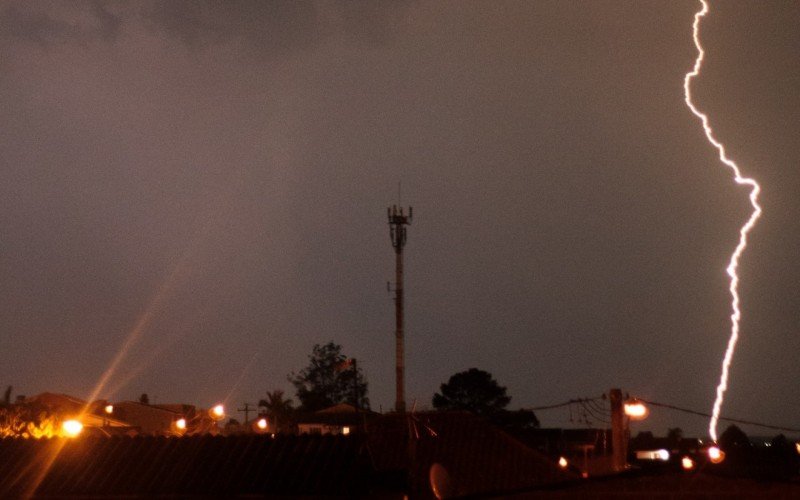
x=207, y=183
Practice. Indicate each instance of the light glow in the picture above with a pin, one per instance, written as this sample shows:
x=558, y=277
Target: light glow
x=262, y=423
x=218, y=412
x=661, y=454
x=562, y=462
x=716, y=455
x=181, y=424
x=72, y=428
x=687, y=463
x=733, y=265
x=345, y=430
x=109, y=409
x=636, y=410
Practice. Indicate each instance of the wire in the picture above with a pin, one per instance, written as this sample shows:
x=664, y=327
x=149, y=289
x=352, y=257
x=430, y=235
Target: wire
x=602, y=418
x=593, y=407
x=727, y=419
x=598, y=408
x=561, y=405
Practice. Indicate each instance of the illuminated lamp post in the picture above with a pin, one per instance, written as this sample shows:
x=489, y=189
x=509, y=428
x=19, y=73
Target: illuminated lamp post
x=217, y=412
x=180, y=426
x=108, y=410
x=72, y=428
x=635, y=409
x=715, y=454
x=622, y=412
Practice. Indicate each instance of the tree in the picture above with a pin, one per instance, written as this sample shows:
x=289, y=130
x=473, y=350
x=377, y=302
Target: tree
x=674, y=437
x=733, y=437
x=473, y=390
x=329, y=379
x=515, y=422
x=279, y=410
x=642, y=441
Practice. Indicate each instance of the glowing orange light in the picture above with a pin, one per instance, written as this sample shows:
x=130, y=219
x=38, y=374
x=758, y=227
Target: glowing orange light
x=562, y=462
x=262, y=423
x=636, y=410
x=755, y=189
x=218, y=412
x=72, y=428
x=345, y=430
x=180, y=424
x=716, y=455
x=109, y=409
x=687, y=463
x=797, y=447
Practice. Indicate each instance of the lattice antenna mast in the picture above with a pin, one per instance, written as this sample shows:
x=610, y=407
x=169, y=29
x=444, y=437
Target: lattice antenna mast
x=397, y=231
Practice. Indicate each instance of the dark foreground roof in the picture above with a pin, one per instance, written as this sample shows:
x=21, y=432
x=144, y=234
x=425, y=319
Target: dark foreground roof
x=211, y=466
x=667, y=485
x=475, y=457
x=398, y=454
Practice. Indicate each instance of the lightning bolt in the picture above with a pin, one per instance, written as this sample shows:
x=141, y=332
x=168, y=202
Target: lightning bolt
x=755, y=189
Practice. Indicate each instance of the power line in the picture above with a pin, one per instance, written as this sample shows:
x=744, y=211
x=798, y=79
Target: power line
x=561, y=405
x=595, y=413
x=727, y=419
x=592, y=404
x=598, y=408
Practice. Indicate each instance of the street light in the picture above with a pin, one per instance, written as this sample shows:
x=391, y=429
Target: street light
x=180, y=424
x=72, y=428
x=716, y=455
x=262, y=424
x=218, y=412
x=635, y=409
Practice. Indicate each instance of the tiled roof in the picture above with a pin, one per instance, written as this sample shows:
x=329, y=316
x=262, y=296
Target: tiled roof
x=478, y=457
x=648, y=484
x=188, y=466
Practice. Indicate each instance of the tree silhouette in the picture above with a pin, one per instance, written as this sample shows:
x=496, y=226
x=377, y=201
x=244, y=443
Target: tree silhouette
x=674, y=437
x=329, y=379
x=278, y=409
x=473, y=390
x=732, y=438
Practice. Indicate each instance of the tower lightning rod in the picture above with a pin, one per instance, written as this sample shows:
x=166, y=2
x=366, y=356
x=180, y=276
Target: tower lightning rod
x=397, y=231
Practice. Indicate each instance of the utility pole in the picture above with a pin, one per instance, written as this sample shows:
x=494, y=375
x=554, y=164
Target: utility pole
x=397, y=231
x=355, y=384
x=247, y=409
x=619, y=441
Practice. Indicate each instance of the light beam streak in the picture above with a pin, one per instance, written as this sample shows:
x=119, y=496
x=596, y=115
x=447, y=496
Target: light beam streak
x=755, y=189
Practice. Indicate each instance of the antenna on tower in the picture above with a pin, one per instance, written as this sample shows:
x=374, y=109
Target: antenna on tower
x=398, y=221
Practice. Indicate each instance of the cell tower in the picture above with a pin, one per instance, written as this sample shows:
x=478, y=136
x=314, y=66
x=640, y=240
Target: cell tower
x=397, y=231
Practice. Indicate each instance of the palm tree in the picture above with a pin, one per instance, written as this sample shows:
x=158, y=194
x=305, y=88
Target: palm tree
x=279, y=410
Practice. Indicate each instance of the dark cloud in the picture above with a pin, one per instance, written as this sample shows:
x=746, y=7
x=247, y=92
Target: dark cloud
x=572, y=223
x=268, y=26
x=58, y=22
